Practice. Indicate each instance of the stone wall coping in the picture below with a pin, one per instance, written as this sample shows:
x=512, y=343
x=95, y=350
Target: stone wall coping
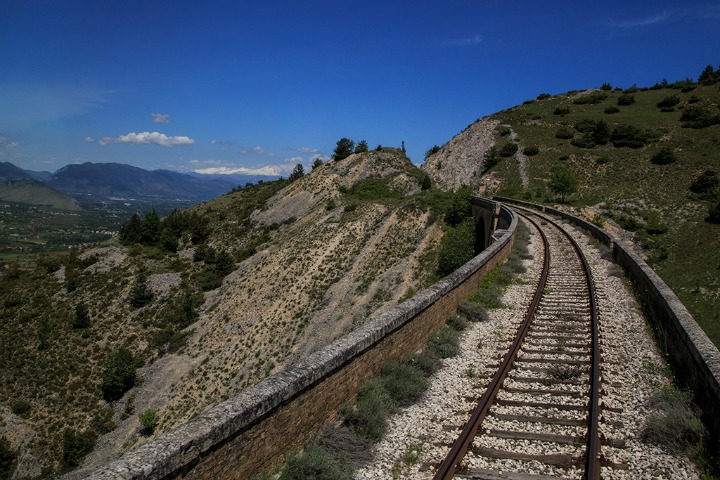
x=177, y=449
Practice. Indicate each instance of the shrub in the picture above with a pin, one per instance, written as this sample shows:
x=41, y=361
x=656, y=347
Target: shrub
x=626, y=135
x=561, y=111
x=625, y=100
x=119, y=374
x=713, y=214
x=368, y=417
x=403, y=382
x=458, y=322
x=606, y=86
x=316, y=463
x=491, y=158
x=444, y=342
x=457, y=247
x=612, y=109
x=82, y=316
x=508, y=150
x=7, y=459
x=706, y=184
x=425, y=183
x=473, y=311
x=426, y=361
x=148, y=420
x=674, y=425
x=531, y=150
x=564, y=132
x=697, y=116
x=669, y=102
x=140, y=294
x=20, y=407
x=664, y=157
x=432, y=151
x=544, y=96
x=459, y=208
x=76, y=445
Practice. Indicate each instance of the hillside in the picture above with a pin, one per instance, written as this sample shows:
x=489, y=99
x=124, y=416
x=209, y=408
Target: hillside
x=120, y=180
x=31, y=192
x=639, y=157
x=260, y=277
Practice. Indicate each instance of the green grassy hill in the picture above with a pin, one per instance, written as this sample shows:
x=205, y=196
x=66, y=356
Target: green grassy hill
x=646, y=160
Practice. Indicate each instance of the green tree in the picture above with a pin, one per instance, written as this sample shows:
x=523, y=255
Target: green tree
x=297, y=173
x=76, y=445
x=361, y=147
x=151, y=228
x=131, y=231
x=343, y=149
x=7, y=459
x=82, y=316
x=431, y=152
x=148, y=420
x=491, y=158
x=118, y=375
x=140, y=293
x=457, y=247
x=426, y=183
x=317, y=163
x=459, y=207
x=709, y=76
x=563, y=183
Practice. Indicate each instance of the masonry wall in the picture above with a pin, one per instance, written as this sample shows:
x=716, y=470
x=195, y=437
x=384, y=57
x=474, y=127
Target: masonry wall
x=694, y=358
x=250, y=433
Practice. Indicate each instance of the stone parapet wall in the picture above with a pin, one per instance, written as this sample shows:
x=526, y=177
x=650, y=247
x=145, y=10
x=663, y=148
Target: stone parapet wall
x=250, y=433
x=694, y=358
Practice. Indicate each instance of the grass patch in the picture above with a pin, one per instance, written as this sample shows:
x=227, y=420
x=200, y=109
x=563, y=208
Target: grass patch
x=674, y=424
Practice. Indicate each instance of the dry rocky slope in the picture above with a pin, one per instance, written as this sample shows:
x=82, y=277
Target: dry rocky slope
x=335, y=260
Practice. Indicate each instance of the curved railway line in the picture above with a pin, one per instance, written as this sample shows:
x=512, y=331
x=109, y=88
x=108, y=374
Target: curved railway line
x=542, y=404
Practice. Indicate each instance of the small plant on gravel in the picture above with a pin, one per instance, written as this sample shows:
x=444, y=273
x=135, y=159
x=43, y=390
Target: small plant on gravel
x=403, y=382
x=473, y=311
x=368, y=417
x=315, y=462
x=675, y=423
x=410, y=457
x=148, y=420
x=444, y=342
x=562, y=373
x=458, y=321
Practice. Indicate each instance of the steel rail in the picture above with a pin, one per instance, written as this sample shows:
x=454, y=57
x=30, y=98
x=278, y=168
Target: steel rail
x=464, y=440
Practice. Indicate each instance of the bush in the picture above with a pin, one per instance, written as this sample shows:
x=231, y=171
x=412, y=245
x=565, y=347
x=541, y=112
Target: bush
x=403, y=382
x=148, y=420
x=432, y=151
x=544, y=96
x=316, y=463
x=668, y=102
x=612, y=109
x=675, y=425
x=426, y=361
x=508, y=150
x=532, y=150
x=706, y=184
x=457, y=247
x=368, y=417
x=561, y=111
x=473, y=311
x=82, y=316
x=76, y=445
x=7, y=459
x=625, y=100
x=665, y=156
x=458, y=322
x=713, y=214
x=563, y=183
x=444, y=342
x=491, y=158
x=626, y=135
x=459, y=208
x=697, y=116
x=564, y=132
x=119, y=374
x=140, y=294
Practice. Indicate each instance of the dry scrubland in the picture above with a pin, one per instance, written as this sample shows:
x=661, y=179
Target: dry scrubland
x=311, y=260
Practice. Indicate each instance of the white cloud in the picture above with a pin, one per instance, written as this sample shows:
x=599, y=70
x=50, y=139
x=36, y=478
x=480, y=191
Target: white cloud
x=308, y=150
x=89, y=139
x=4, y=142
x=461, y=42
x=293, y=160
x=154, y=138
x=269, y=170
x=161, y=118
x=213, y=141
x=641, y=22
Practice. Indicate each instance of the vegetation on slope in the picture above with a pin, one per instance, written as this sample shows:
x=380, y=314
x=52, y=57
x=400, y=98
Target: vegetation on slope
x=181, y=312
x=644, y=159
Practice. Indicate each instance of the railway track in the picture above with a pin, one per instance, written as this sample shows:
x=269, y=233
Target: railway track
x=542, y=404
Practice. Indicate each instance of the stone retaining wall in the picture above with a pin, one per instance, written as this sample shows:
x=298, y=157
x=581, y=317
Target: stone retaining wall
x=250, y=433
x=694, y=358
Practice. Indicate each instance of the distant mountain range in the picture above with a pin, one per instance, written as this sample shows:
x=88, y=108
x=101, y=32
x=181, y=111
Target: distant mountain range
x=120, y=180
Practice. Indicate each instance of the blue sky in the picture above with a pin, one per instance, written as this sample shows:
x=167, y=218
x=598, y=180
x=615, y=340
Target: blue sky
x=261, y=86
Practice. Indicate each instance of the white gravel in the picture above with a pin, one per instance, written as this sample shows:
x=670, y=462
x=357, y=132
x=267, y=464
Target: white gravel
x=630, y=369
